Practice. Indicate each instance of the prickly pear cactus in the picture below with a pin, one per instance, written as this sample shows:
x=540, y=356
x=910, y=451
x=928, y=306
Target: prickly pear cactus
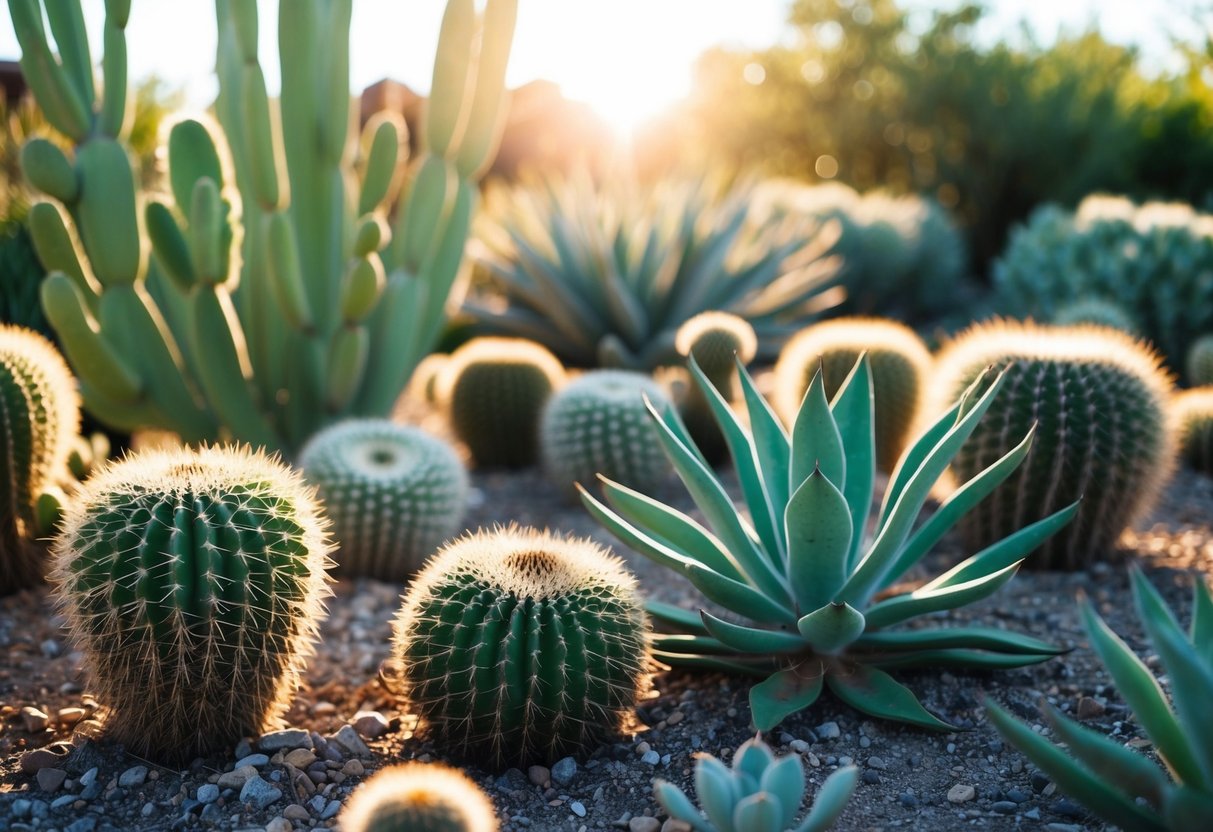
x=419, y=797
x=716, y=341
x=494, y=390
x=39, y=417
x=598, y=424
x=899, y=360
x=1098, y=312
x=1192, y=416
x=1099, y=401
x=1200, y=362
x=521, y=646
x=193, y=582
x=392, y=492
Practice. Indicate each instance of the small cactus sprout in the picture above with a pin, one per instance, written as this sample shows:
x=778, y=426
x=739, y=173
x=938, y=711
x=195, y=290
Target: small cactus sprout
x=520, y=646
x=1098, y=312
x=899, y=359
x=494, y=390
x=1099, y=400
x=392, y=492
x=39, y=418
x=760, y=793
x=1200, y=362
x=419, y=797
x=717, y=342
x=192, y=581
x=598, y=424
x=1192, y=416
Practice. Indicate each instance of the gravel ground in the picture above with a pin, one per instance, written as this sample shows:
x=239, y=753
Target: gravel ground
x=344, y=725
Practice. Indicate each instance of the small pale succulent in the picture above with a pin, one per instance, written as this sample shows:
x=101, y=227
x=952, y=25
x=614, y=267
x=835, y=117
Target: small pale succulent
x=760, y=793
x=814, y=593
x=1116, y=783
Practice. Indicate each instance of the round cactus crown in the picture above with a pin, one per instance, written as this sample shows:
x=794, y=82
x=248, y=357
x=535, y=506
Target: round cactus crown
x=495, y=351
x=713, y=338
x=369, y=449
x=1096, y=311
x=1192, y=418
x=615, y=386
x=33, y=363
x=857, y=334
x=419, y=797
x=1200, y=361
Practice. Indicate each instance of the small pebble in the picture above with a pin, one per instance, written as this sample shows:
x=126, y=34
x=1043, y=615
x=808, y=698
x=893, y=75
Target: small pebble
x=348, y=739
x=279, y=825
x=34, y=720
x=651, y=758
x=132, y=777
x=578, y=808
x=255, y=760
x=259, y=793
x=295, y=812
x=208, y=793
x=50, y=779
x=281, y=740
x=564, y=770
x=1004, y=807
x=370, y=724
x=539, y=775
x=961, y=793
x=1089, y=708
x=644, y=824
x=828, y=731
x=69, y=716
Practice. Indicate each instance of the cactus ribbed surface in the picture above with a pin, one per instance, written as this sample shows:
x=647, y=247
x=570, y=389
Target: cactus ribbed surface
x=193, y=582
x=494, y=390
x=39, y=417
x=419, y=797
x=717, y=341
x=521, y=646
x=392, y=492
x=1098, y=312
x=1200, y=362
x=900, y=363
x=598, y=424
x=1192, y=416
x=1099, y=400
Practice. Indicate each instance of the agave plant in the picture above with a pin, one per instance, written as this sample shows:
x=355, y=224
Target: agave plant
x=815, y=592
x=1117, y=784
x=604, y=275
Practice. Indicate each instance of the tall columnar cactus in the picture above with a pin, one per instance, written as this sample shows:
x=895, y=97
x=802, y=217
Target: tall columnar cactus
x=598, y=424
x=719, y=342
x=1200, y=362
x=193, y=582
x=39, y=417
x=1192, y=418
x=419, y=797
x=900, y=363
x=277, y=300
x=1099, y=401
x=494, y=390
x=517, y=645
x=393, y=493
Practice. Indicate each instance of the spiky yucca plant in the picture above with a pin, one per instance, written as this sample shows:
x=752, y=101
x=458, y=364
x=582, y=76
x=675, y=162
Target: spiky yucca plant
x=803, y=575
x=521, y=646
x=717, y=341
x=193, y=583
x=761, y=793
x=1125, y=788
x=1192, y=417
x=900, y=365
x=1200, y=362
x=419, y=797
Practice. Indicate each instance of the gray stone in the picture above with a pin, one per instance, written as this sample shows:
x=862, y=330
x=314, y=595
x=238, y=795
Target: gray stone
x=828, y=731
x=132, y=777
x=961, y=793
x=578, y=808
x=331, y=810
x=50, y=779
x=644, y=824
x=279, y=825
x=651, y=758
x=564, y=770
x=148, y=809
x=539, y=775
x=259, y=793
x=281, y=740
x=84, y=824
x=348, y=739
x=208, y=793
x=236, y=779
x=371, y=724
x=1004, y=807
x=89, y=777
x=254, y=760
x=62, y=801
x=21, y=808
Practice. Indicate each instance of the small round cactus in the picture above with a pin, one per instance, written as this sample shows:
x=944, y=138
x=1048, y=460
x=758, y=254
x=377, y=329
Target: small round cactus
x=520, y=646
x=899, y=360
x=192, y=581
x=598, y=424
x=1098, y=312
x=1099, y=401
x=717, y=341
x=418, y=797
x=494, y=390
x=393, y=493
x=39, y=418
x=1200, y=362
x=1192, y=416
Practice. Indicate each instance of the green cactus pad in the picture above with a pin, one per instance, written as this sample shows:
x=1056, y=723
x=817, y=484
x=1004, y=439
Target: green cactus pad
x=1200, y=362
x=494, y=390
x=419, y=797
x=598, y=424
x=900, y=363
x=1192, y=417
x=521, y=646
x=393, y=493
x=1099, y=401
x=40, y=415
x=193, y=582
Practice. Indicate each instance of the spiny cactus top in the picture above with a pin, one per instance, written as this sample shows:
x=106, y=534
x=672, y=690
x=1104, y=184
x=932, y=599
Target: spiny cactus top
x=521, y=646
x=193, y=582
x=419, y=797
x=717, y=340
x=1192, y=418
x=1200, y=362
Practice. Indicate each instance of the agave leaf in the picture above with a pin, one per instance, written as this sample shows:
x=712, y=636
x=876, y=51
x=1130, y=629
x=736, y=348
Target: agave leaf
x=751, y=639
x=757, y=813
x=973, y=638
x=772, y=448
x=955, y=657
x=816, y=441
x=716, y=789
x=685, y=620
x=784, y=778
x=1119, y=766
x=853, y=408
x=678, y=805
x=832, y=627
x=752, y=758
x=912, y=459
x=675, y=659
x=875, y=692
x=698, y=645
x=830, y=800
x=1011, y=549
x=650, y=547
x=736, y=596
x=1187, y=808
x=818, y=529
x=669, y=417
x=933, y=599
x=784, y=693
x=1202, y=621
x=1085, y=787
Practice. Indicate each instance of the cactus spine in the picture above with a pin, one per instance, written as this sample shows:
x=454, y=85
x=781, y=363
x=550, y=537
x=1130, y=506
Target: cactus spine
x=393, y=493
x=39, y=417
x=278, y=301
x=419, y=797
x=1099, y=400
x=521, y=646
x=494, y=390
x=718, y=342
x=899, y=359
x=598, y=424
x=1192, y=417
x=1200, y=362
x=193, y=582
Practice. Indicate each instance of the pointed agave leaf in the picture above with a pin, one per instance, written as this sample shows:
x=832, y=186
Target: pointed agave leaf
x=688, y=644
x=772, y=448
x=933, y=599
x=685, y=620
x=854, y=408
x=971, y=638
x=669, y=417
x=1187, y=808
x=1202, y=621
x=716, y=663
x=678, y=805
x=646, y=545
x=736, y=596
x=832, y=627
x=955, y=657
x=716, y=789
x=1122, y=767
x=830, y=800
x=751, y=639
x=753, y=757
x=816, y=441
x=757, y=813
x=912, y=459
x=818, y=530
x=784, y=779
x=1011, y=549
x=784, y=693
x=1085, y=787
x=875, y=692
